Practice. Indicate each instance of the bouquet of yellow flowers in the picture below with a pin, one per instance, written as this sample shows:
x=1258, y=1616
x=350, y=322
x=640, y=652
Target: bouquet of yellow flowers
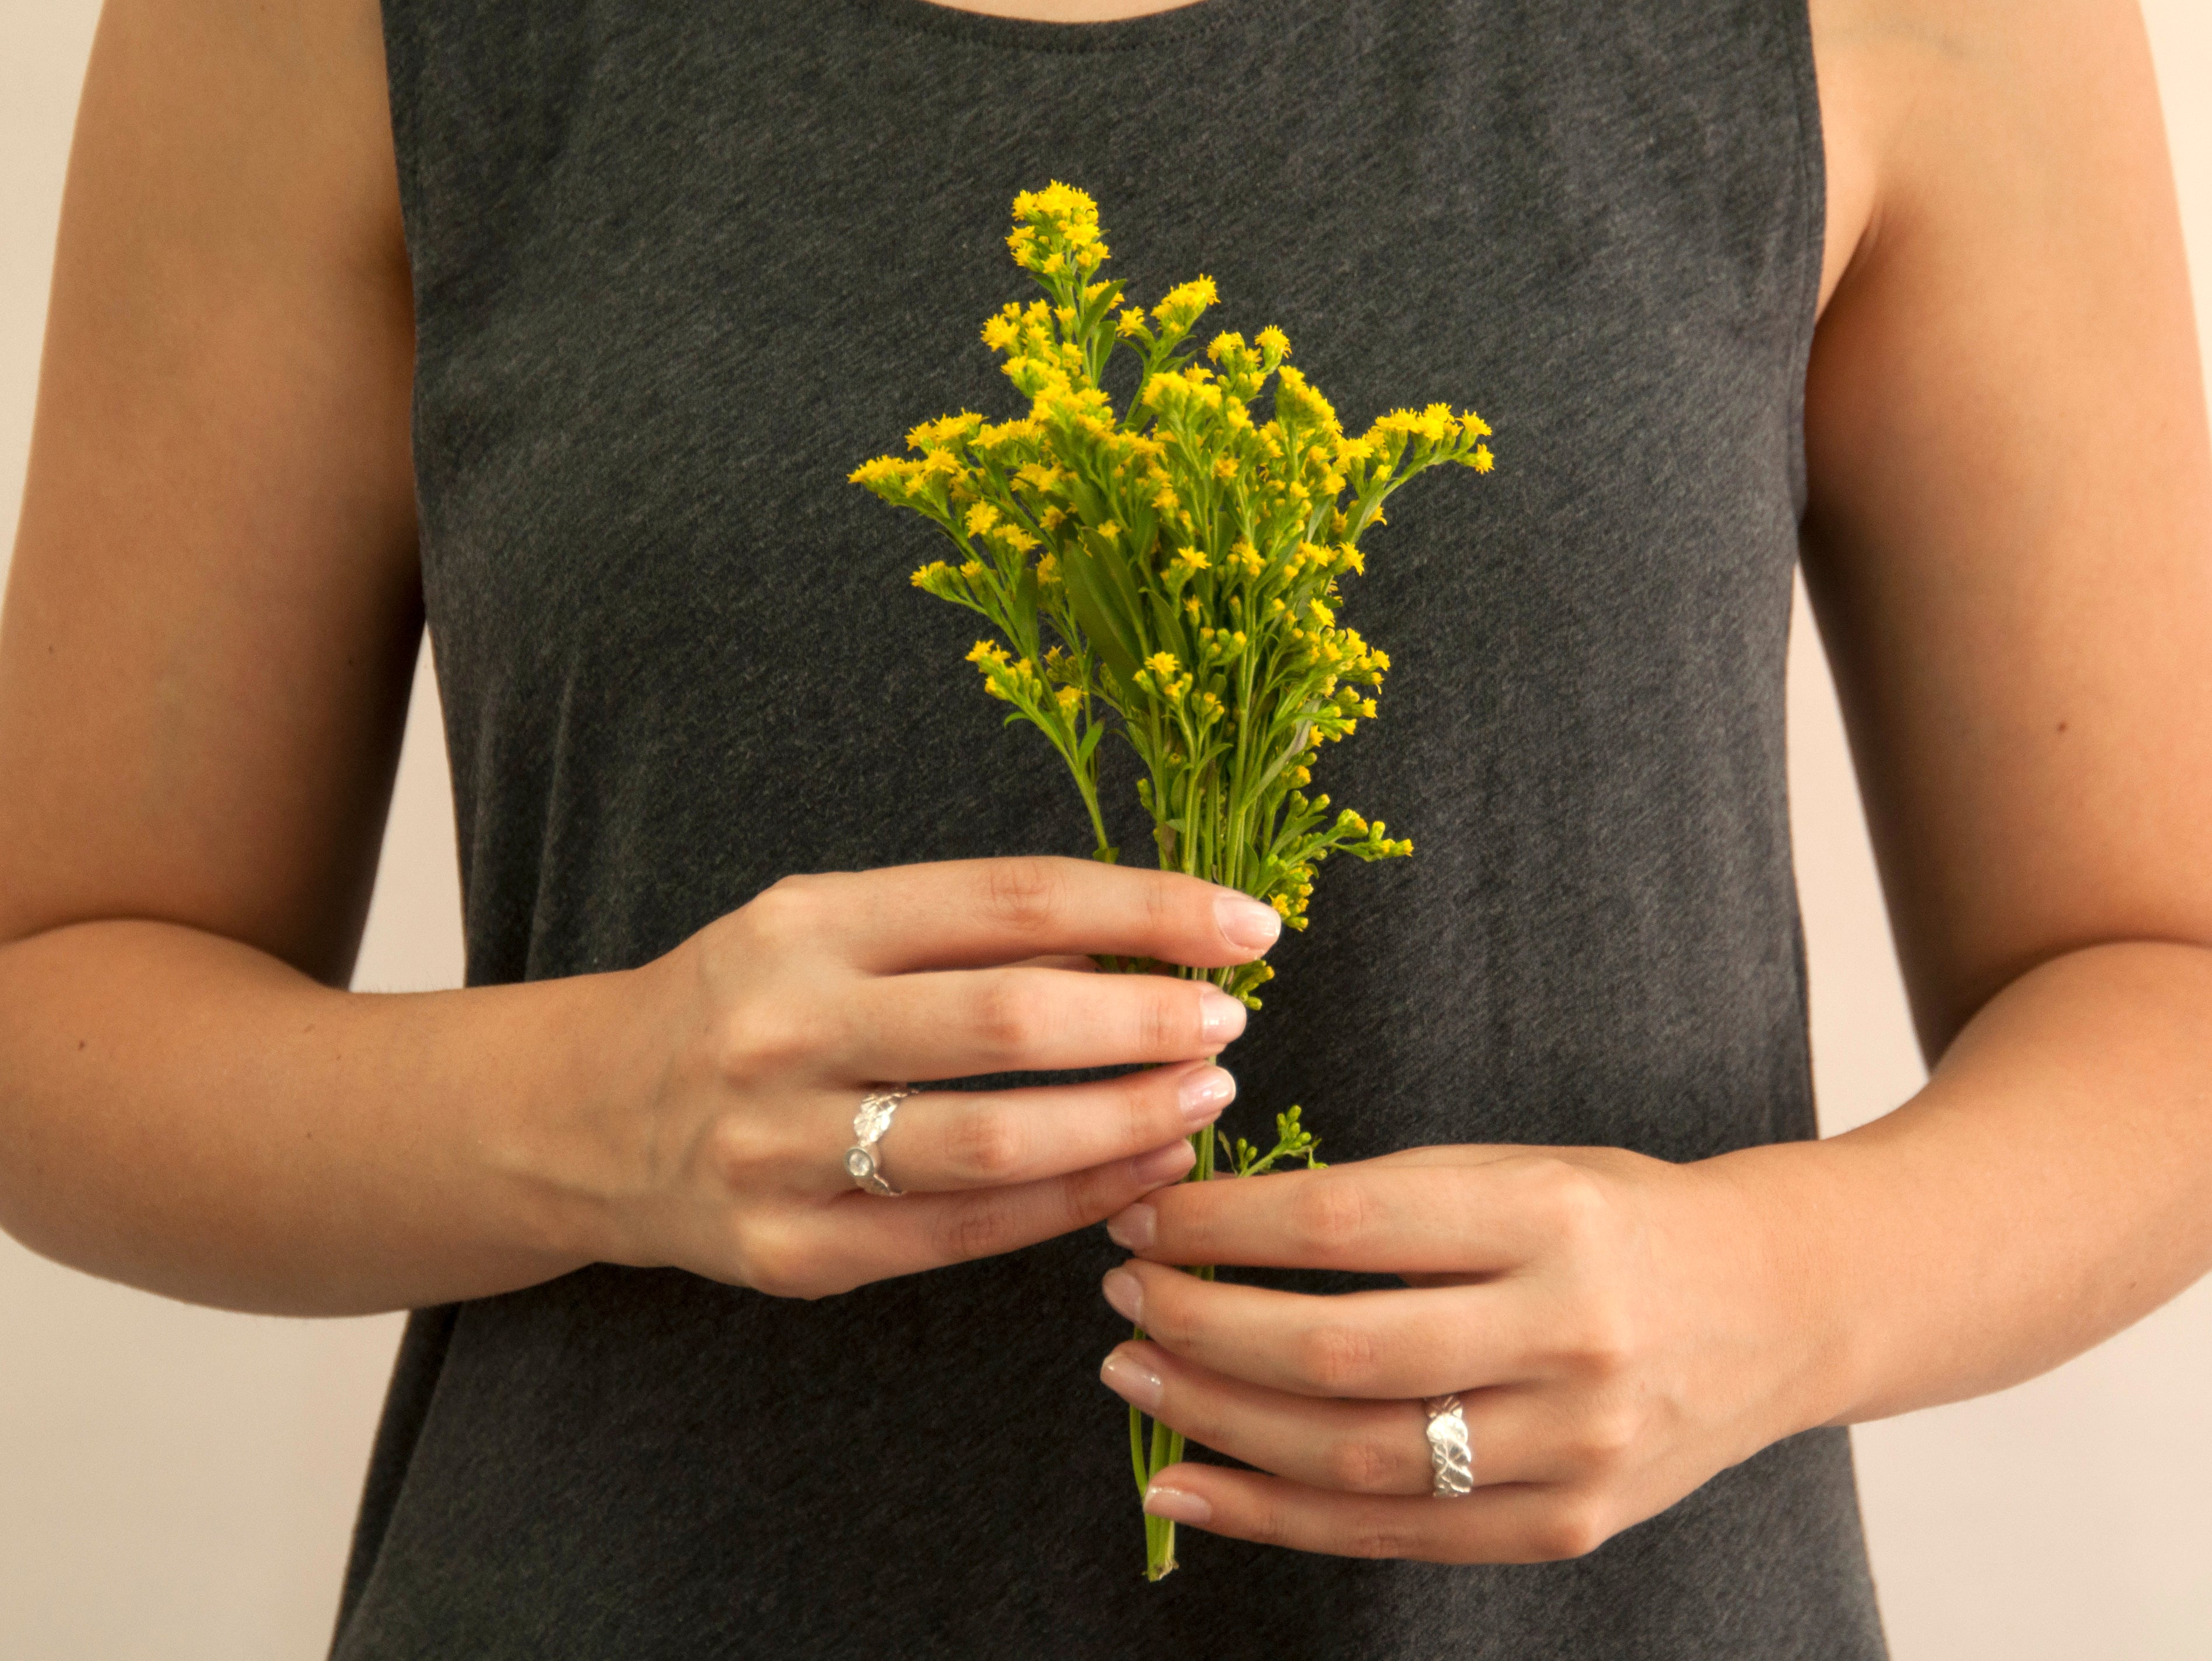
x=1171, y=570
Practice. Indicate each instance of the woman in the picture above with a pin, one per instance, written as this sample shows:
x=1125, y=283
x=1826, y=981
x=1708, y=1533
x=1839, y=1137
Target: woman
x=651, y=280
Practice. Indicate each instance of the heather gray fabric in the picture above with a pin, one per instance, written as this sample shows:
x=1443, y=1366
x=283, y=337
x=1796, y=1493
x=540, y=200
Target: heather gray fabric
x=678, y=268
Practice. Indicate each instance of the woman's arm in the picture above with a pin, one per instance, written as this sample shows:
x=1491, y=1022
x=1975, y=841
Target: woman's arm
x=2009, y=549
x=205, y=654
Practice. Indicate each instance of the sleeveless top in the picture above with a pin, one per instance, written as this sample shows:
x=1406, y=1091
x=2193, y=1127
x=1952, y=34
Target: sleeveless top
x=678, y=268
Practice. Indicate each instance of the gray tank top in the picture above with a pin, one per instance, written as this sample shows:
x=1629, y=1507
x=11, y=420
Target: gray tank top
x=678, y=267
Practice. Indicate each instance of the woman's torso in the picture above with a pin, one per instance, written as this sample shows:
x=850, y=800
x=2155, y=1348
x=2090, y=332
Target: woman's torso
x=678, y=270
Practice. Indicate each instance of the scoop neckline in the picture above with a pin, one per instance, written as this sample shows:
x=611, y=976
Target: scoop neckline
x=1034, y=35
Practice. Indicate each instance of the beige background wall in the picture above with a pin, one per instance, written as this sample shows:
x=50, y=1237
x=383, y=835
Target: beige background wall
x=177, y=1483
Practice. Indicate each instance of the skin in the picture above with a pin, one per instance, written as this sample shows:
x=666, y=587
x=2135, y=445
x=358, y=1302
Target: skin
x=203, y=664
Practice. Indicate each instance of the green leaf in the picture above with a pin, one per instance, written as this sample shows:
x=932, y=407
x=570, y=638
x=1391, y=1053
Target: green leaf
x=1090, y=597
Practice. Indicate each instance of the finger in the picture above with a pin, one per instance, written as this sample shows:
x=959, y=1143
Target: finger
x=1512, y=1523
x=943, y=1140
x=1397, y=1344
x=861, y=1237
x=1384, y=1219
x=1349, y=1445
x=964, y=1022
x=1074, y=963
x=971, y=912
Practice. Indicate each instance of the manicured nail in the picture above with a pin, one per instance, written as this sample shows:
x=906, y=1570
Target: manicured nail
x=1134, y=1229
x=1176, y=1506
x=1221, y=1016
x=1203, y=1094
x=1163, y=1164
x=1131, y=1380
x=1127, y=1293
x=1247, y=921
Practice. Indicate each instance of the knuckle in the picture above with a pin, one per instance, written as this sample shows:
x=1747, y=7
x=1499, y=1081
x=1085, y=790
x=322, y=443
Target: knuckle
x=1025, y=893
x=1362, y=1464
x=790, y=912
x=1574, y=1528
x=772, y=1038
x=1271, y=1526
x=1168, y=1019
x=736, y=1157
x=979, y=1226
x=1606, y=1442
x=1602, y=1344
x=1167, y=906
x=1086, y=1197
x=1009, y=1015
x=1335, y=1359
x=1328, y=1215
x=1143, y=1107
x=985, y=1145
x=1575, y=1206
x=1380, y=1540
x=770, y=1261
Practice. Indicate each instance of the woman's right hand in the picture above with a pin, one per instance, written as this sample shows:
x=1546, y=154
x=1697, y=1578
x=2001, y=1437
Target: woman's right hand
x=729, y=1159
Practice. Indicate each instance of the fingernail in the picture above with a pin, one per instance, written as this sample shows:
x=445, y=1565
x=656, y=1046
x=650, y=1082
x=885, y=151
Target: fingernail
x=1221, y=1016
x=1131, y=1380
x=1246, y=921
x=1176, y=1506
x=1203, y=1094
x=1163, y=1164
x=1127, y=1293
x=1134, y=1229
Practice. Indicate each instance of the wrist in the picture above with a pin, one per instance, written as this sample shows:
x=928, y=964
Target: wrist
x=566, y=1147
x=1786, y=1213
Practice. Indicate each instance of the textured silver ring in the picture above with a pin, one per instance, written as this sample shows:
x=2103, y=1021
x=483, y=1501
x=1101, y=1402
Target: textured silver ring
x=1451, y=1456
x=864, y=1159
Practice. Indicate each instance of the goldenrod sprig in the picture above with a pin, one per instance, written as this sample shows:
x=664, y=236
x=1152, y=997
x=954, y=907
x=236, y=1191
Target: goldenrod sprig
x=1292, y=1140
x=1171, y=568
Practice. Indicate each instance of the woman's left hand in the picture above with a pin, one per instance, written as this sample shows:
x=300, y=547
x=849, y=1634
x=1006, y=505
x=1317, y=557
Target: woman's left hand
x=1618, y=1328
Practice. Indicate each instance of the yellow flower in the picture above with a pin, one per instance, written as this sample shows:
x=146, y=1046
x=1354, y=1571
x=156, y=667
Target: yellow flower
x=1484, y=461
x=982, y=518
x=1162, y=663
x=1225, y=467
x=1297, y=402
x=1273, y=341
x=1180, y=309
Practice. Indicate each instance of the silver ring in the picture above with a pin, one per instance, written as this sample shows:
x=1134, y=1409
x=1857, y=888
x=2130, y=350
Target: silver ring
x=864, y=1160
x=1451, y=1456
